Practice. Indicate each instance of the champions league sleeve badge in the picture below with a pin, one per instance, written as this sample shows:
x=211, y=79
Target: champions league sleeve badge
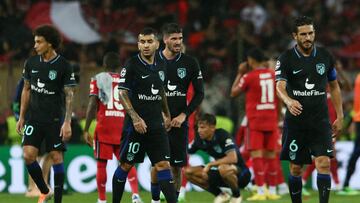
x=162, y=75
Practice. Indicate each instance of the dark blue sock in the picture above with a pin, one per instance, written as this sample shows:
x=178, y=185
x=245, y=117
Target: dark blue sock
x=167, y=185
x=324, y=187
x=295, y=187
x=59, y=177
x=118, y=184
x=155, y=191
x=36, y=174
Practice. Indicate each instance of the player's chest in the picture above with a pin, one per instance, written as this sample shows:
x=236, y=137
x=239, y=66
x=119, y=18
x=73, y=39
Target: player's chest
x=43, y=73
x=310, y=68
x=145, y=76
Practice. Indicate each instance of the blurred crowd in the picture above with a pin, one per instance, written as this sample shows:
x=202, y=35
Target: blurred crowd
x=218, y=33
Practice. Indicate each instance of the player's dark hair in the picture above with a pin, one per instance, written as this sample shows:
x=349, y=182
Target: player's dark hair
x=111, y=61
x=208, y=118
x=300, y=21
x=149, y=31
x=257, y=54
x=171, y=28
x=50, y=33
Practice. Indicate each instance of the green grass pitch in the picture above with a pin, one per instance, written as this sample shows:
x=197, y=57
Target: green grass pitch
x=191, y=197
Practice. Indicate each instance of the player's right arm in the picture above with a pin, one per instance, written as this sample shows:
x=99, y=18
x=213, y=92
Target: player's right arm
x=90, y=115
x=293, y=105
x=138, y=122
x=242, y=70
x=25, y=99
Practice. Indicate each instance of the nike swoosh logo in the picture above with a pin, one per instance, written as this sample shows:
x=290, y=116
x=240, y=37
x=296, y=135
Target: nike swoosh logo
x=144, y=76
x=167, y=157
x=178, y=161
x=329, y=150
x=294, y=193
x=56, y=145
x=34, y=71
x=120, y=181
x=296, y=71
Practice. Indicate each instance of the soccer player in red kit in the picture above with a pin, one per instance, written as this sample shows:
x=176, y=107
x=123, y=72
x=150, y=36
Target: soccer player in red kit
x=104, y=98
x=261, y=111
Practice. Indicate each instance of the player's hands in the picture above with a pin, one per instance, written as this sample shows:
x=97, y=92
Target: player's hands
x=243, y=68
x=167, y=122
x=139, y=125
x=337, y=126
x=207, y=168
x=178, y=120
x=88, y=139
x=20, y=126
x=65, y=131
x=294, y=107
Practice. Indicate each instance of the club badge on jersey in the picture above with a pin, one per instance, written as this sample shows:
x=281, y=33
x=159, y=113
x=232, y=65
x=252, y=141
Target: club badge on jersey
x=181, y=72
x=52, y=74
x=320, y=68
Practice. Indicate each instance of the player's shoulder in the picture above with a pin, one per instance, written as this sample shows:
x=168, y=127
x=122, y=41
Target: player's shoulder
x=132, y=60
x=221, y=133
x=322, y=51
x=287, y=53
x=33, y=60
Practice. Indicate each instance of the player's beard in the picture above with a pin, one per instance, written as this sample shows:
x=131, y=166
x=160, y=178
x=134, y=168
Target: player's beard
x=174, y=50
x=306, y=49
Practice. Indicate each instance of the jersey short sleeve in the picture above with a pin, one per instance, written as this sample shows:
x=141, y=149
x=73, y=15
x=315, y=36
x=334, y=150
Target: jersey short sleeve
x=332, y=71
x=280, y=68
x=69, y=75
x=94, y=90
x=243, y=83
x=126, y=77
x=226, y=141
x=26, y=71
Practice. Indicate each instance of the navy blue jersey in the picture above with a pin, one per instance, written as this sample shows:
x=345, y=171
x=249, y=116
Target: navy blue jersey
x=181, y=71
x=144, y=82
x=306, y=81
x=220, y=144
x=47, y=80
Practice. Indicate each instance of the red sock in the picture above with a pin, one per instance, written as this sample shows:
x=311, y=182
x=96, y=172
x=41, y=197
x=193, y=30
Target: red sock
x=272, y=171
x=101, y=178
x=184, y=180
x=333, y=169
x=133, y=181
x=258, y=166
x=308, y=171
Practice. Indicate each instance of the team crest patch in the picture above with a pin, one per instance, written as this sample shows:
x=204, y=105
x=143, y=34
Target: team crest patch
x=162, y=75
x=320, y=68
x=52, y=74
x=292, y=155
x=181, y=72
x=130, y=156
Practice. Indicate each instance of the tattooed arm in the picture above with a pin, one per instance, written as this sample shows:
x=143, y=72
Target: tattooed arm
x=138, y=122
x=25, y=99
x=165, y=109
x=66, y=127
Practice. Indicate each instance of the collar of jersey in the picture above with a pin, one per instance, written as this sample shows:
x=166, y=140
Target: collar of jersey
x=52, y=60
x=176, y=58
x=145, y=63
x=299, y=54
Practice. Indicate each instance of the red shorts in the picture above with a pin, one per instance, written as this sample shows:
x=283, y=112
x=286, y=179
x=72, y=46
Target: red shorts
x=263, y=140
x=106, y=151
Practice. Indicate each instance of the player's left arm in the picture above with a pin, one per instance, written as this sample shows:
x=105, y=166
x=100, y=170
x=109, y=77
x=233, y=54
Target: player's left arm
x=66, y=127
x=165, y=109
x=236, y=88
x=337, y=101
x=229, y=158
x=90, y=115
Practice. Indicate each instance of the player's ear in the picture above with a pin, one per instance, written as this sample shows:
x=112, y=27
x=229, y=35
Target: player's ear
x=294, y=35
x=157, y=44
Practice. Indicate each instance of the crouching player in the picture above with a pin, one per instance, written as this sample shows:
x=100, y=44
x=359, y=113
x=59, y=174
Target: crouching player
x=227, y=170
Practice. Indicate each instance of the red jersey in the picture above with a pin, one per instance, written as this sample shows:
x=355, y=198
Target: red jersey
x=110, y=116
x=261, y=101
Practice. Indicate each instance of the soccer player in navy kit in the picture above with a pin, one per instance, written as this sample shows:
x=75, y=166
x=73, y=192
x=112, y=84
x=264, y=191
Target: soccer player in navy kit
x=47, y=99
x=302, y=75
x=181, y=71
x=142, y=94
x=227, y=170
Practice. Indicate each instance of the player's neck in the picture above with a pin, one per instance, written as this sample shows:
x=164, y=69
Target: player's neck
x=148, y=59
x=49, y=55
x=304, y=52
x=169, y=55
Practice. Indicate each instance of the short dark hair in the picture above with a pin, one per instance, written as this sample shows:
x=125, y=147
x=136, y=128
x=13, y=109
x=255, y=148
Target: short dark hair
x=300, y=21
x=257, y=54
x=149, y=31
x=50, y=33
x=208, y=118
x=111, y=60
x=171, y=28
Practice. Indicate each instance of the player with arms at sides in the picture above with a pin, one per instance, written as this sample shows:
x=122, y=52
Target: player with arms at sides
x=46, y=99
x=104, y=98
x=142, y=94
x=262, y=113
x=181, y=71
x=302, y=74
x=227, y=170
